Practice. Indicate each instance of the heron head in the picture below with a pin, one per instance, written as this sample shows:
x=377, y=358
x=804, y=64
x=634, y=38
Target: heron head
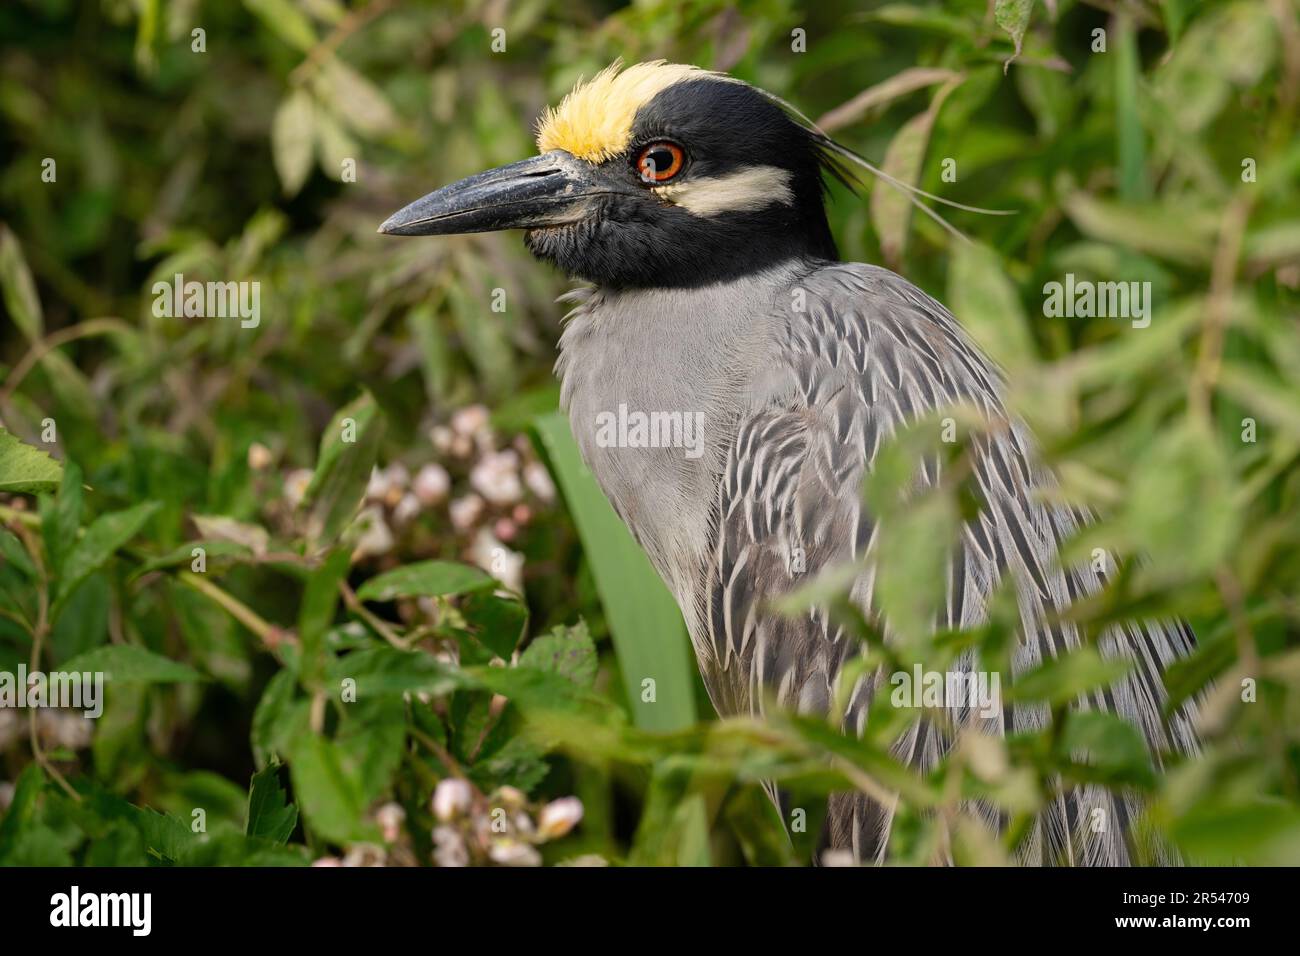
x=654, y=175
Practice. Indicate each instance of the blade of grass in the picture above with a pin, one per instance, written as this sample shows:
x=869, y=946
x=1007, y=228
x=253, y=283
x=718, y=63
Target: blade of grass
x=648, y=631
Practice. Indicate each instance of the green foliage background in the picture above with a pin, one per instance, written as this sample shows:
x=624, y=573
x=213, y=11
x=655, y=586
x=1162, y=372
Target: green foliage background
x=1171, y=156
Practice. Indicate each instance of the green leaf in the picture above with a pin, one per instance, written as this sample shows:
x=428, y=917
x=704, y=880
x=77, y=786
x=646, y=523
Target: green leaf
x=331, y=799
x=61, y=517
x=20, y=298
x=358, y=101
x=126, y=662
x=348, y=450
x=121, y=845
x=388, y=672
x=24, y=468
x=270, y=814
x=22, y=808
x=38, y=845
x=281, y=716
x=1263, y=831
x=252, y=537
x=105, y=536
x=286, y=21
x=497, y=622
x=371, y=739
x=1133, y=185
x=291, y=140
x=1177, y=233
x=1013, y=17
x=646, y=627
x=316, y=613
x=891, y=207
x=1181, y=465
x=674, y=827
x=916, y=546
x=13, y=551
x=426, y=579
x=567, y=651
x=542, y=692
x=1061, y=680
x=987, y=305
x=83, y=625
x=1115, y=751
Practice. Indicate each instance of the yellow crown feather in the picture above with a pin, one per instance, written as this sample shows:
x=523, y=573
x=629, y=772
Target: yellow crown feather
x=594, y=122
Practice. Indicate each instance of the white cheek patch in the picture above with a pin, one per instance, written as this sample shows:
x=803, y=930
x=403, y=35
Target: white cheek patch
x=742, y=191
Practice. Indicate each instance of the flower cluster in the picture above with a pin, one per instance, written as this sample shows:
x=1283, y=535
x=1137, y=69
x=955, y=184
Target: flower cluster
x=501, y=829
x=481, y=493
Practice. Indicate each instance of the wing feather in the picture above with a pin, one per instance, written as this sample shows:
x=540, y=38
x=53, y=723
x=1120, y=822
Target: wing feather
x=870, y=353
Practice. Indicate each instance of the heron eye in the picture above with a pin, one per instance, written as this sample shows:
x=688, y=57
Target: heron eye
x=659, y=162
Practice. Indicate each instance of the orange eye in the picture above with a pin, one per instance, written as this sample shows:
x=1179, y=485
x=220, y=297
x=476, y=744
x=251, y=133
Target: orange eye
x=660, y=162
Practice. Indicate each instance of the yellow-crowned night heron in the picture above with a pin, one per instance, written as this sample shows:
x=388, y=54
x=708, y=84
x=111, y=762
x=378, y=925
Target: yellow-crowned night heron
x=693, y=204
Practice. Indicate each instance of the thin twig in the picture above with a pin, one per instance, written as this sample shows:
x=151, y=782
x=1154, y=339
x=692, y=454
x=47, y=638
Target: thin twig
x=39, y=632
x=379, y=624
x=53, y=341
x=269, y=634
x=349, y=25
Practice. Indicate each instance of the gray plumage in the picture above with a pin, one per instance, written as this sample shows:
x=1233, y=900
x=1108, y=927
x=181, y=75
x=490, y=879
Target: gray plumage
x=795, y=405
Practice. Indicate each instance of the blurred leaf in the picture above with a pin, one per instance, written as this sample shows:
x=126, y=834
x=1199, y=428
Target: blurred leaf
x=20, y=298
x=105, y=536
x=388, y=672
x=253, y=538
x=83, y=625
x=316, y=613
x=1132, y=153
x=330, y=798
x=567, y=651
x=891, y=209
x=1115, y=749
x=348, y=449
x=371, y=739
x=24, y=468
x=1182, y=465
x=291, y=140
x=61, y=517
x=128, y=663
x=1013, y=17
x=22, y=808
x=425, y=579
x=355, y=98
x=886, y=91
x=1261, y=393
x=333, y=145
x=1258, y=832
x=497, y=622
x=279, y=718
x=15, y=553
x=990, y=309
x=1180, y=235
x=285, y=20
x=1061, y=680
x=911, y=583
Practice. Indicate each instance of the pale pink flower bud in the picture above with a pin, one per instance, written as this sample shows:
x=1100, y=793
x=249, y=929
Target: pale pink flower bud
x=432, y=484
x=451, y=799
x=559, y=817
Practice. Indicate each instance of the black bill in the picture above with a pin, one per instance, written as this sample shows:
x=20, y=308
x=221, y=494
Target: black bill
x=548, y=190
